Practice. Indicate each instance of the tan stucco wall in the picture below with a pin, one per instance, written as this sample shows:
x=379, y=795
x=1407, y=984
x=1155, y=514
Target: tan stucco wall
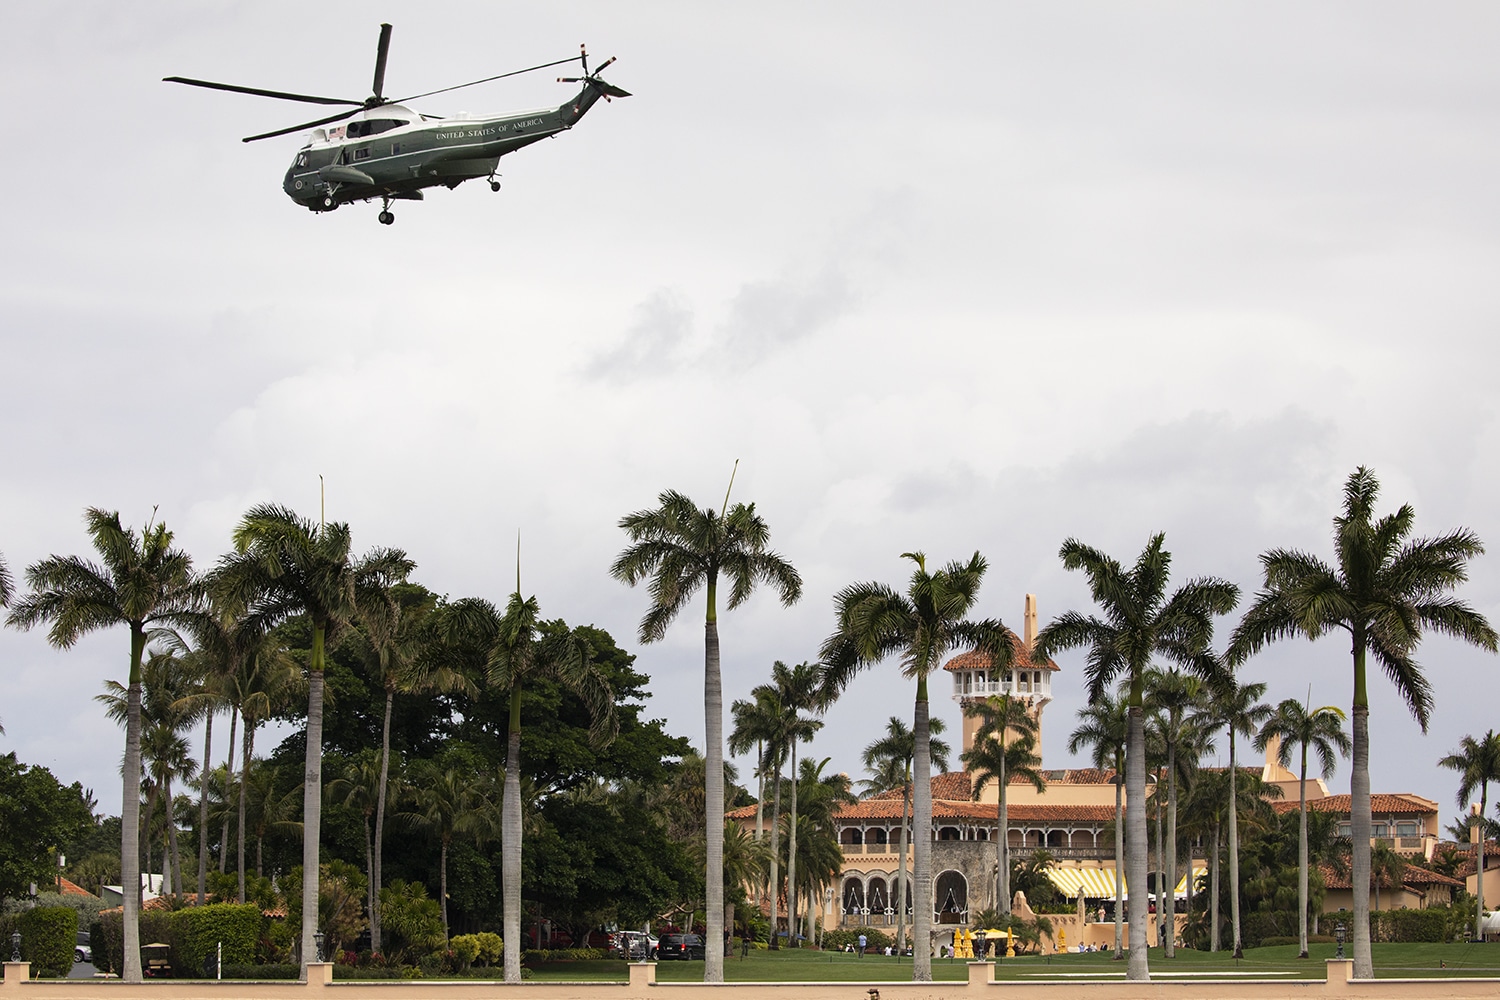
x=642, y=987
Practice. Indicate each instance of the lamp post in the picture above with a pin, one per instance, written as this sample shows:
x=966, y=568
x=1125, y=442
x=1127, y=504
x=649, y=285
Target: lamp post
x=15, y=946
x=318, y=946
x=1338, y=935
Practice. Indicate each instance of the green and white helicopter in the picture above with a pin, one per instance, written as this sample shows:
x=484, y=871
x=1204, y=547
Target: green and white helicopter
x=390, y=152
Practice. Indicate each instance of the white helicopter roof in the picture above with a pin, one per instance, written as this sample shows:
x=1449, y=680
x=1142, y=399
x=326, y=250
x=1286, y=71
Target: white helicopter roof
x=382, y=112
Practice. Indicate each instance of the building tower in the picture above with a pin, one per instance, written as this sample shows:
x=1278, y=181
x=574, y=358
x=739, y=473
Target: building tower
x=973, y=677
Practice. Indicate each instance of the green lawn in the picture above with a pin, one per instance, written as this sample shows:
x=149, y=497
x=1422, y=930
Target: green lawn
x=1392, y=961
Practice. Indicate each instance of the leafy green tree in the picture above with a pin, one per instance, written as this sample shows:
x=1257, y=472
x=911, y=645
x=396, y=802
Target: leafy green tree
x=268, y=810
x=447, y=803
x=890, y=759
x=358, y=789
x=37, y=815
x=267, y=680
x=145, y=584
x=1140, y=622
x=921, y=627
x=1320, y=729
x=996, y=757
x=1386, y=589
x=284, y=565
x=1103, y=727
x=682, y=548
x=1477, y=763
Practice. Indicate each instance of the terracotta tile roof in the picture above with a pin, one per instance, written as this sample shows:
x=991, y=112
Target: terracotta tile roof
x=955, y=785
x=68, y=888
x=975, y=660
x=1413, y=876
x=1381, y=804
x=1078, y=776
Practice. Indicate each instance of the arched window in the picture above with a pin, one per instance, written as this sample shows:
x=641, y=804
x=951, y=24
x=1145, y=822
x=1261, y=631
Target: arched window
x=854, y=897
x=952, y=898
x=949, y=833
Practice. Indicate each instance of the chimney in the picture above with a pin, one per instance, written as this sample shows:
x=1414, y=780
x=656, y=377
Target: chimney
x=1028, y=630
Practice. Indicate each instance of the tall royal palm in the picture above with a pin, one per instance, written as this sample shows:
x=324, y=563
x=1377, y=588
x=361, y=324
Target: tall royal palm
x=681, y=549
x=921, y=627
x=761, y=722
x=1103, y=727
x=1477, y=763
x=1140, y=622
x=522, y=654
x=1386, y=589
x=1238, y=708
x=145, y=584
x=800, y=690
x=998, y=756
x=1295, y=725
x=285, y=565
x=1174, y=694
x=7, y=587
x=890, y=759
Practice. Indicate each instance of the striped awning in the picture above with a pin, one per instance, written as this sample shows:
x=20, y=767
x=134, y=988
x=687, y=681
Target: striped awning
x=1099, y=883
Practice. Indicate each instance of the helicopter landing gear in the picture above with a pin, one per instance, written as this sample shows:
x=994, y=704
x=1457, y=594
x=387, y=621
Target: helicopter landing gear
x=329, y=203
x=494, y=184
x=386, y=218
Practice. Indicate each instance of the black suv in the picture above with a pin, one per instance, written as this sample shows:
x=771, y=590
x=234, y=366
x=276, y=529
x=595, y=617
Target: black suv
x=683, y=946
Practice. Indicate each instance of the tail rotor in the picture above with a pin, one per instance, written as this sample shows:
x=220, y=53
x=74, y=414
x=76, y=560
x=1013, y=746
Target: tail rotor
x=606, y=89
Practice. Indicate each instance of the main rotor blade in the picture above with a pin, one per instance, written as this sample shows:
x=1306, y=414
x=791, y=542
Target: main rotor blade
x=501, y=76
x=381, y=49
x=298, y=128
x=258, y=92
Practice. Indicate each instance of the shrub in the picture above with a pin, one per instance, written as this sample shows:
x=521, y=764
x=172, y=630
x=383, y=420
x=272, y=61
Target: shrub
x=491, y=947
x=1283, y=940
x=1430, y=925
x=464, y=948
x=48, y=934
x=197, y=933
x=107, y=938
x=279, y=971
x=875, y=940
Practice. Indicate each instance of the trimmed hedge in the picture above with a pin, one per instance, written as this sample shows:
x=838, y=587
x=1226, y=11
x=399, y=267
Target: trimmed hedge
x=1433, y=925
x=48, y=936
x=875, y=939
x=107, y=937
x=261, y=971
x=1272, y=942
x=197, y=931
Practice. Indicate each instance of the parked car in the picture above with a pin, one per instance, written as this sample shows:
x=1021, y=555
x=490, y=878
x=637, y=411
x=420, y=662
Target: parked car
x=83, y=951
x=634, y=946
x=679, y=946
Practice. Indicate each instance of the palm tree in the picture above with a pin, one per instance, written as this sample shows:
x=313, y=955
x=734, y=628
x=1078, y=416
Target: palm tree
x=1173, y=695
x=267, y=810
x=1239, y=709
x=682, y=548
x=1140, y=622
x=816, y=840
x=1104, y=726
x=763, y=722
x=892, y=755
x=144, y=584
x=448, y=803
x=1477, y=763
x=994, y=758
x=800, y=690
x=922, y=627
x=284, y=565
x=359, y=788
x=1386, y=589
x=395, y=634
x=1321, y=729
x=266, y=683
x=7, y=587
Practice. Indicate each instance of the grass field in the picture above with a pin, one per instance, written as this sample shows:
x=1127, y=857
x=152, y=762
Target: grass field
x=1392, y=961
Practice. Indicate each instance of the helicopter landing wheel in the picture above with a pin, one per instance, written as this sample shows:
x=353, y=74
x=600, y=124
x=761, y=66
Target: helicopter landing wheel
x=494, y=185
x=328, y=203
x=386, y=218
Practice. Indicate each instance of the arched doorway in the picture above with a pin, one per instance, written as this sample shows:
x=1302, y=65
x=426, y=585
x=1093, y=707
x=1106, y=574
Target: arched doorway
x=952, y=902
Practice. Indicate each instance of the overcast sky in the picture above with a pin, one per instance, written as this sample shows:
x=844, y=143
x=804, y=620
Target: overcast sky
x=942, y=277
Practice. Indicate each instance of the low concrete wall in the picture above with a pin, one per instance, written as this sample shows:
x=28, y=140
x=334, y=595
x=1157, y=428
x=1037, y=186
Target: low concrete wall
x=643, y=986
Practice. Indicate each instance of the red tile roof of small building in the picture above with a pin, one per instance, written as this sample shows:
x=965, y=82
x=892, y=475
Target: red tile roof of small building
x=1381, y=804
x=1413, y=875
x=975, y=660
x=67, y=888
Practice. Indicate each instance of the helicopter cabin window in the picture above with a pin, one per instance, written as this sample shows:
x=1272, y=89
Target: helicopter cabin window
x=362, y=153
x=372, y=126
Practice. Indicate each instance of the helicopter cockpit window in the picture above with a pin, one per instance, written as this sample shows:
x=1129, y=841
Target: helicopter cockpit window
x=301, y=159
x=372, y=126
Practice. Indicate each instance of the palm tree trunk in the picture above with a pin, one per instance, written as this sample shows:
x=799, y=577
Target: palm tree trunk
x=760, y=798
x=1484, y=804
x=1002, y=849
x=1359, y=833
x=1170, y=948
x=1119, y=859
x=791, y=861
x=369, y=867
x=775, y=854
x=1161, y=892
x=1302, y=858
x=172, y=851
x=208, y=739
x=234, y=717
x=510, y=843
x=1234, y=853
x=385, y=770
x=921, y=964
x=312, y=802
x=713, y=796
x=443, y=886
x=249, y=738
x=1213, y=890
x=130, y=816
x=901, y=868
x=1135, y=840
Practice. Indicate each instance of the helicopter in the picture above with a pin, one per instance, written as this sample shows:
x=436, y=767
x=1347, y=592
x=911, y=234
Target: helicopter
x=386, y=150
